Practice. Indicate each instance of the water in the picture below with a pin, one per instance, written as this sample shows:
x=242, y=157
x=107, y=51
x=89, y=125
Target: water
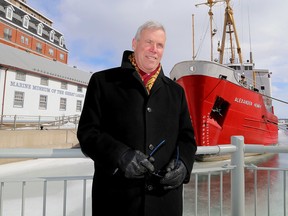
x=273, y=195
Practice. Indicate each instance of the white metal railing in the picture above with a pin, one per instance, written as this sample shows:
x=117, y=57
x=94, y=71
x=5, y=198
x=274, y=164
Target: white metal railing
x=235, y=168
x=24, y=184
x=18, y=122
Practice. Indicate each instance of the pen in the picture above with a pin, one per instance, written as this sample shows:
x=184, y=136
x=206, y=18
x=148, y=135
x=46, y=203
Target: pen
x=156, y=148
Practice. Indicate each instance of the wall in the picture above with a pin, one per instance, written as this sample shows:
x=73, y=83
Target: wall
x=37, y=139
x=32, y=89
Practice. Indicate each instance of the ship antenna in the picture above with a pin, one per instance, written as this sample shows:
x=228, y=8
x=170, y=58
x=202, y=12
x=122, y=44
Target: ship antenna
x=193, y=44
x=251, y=57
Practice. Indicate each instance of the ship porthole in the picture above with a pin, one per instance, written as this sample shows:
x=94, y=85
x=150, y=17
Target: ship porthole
x=192, y=68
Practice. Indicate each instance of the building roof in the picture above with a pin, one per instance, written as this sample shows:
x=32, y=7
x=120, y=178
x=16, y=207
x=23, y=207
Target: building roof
x=15, y=58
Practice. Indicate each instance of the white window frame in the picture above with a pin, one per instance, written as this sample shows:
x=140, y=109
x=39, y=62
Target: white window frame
x=51, y=51
x=40, y=29
x=79, y=88
x=61, y=56
x=20, y=76
x=44, y=81
x=9, y=12
x=63, y=104
x=52, y=36
x=61, y=41
x=64, y=85
x=39, y=47
x=24, y=40
x=78, y=105
x=18, y=101
x=25, y=21
x=7, y=34
x=43, y=101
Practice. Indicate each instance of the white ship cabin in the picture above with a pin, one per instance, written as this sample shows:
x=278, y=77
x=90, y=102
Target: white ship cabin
x=33, y=85
x=255, y=79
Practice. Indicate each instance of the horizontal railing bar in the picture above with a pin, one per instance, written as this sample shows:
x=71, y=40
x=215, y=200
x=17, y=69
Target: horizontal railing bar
x=253, y=167
x=40, y=153
x=224, y=168
x=77, y=153
x=41, y=179
x=218, y=149
x=265, y=149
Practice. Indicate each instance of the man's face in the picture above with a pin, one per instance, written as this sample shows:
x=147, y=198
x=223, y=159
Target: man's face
x=149, y=49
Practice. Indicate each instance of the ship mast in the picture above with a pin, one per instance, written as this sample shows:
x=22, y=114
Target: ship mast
x=229, y=28
x=210, y=4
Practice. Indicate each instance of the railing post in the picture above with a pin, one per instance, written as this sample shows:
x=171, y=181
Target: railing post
x=1, y=198
x=39, y=122
x=237, y=177
x=15, y=119
x=1, y=121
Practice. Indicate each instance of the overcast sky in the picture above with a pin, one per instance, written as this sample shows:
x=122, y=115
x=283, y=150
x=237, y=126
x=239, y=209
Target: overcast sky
x=96, y=32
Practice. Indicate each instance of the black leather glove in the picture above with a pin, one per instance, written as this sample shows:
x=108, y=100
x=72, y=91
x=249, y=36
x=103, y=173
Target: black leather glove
x=176, y=173
x=135, y=164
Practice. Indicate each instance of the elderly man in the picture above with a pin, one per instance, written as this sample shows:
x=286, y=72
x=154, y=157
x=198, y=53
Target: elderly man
x=136, y=127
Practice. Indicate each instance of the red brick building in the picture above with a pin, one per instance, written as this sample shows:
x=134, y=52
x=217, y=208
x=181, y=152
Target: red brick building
x=23, y=27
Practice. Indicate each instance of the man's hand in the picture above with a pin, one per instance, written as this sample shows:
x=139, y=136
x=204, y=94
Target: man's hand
x=176, y=173
x=135, y=164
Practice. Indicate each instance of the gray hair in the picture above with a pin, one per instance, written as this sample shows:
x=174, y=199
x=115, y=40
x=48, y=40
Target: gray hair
x=149, y=25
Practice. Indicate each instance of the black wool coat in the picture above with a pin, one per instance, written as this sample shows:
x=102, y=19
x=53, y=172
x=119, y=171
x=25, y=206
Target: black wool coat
x=118, y=114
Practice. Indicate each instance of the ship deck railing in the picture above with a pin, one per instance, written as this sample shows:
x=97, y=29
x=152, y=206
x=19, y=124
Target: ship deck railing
x=194, y=199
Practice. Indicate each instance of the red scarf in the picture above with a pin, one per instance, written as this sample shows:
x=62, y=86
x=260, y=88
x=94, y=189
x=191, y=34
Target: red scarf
x=145, y=76
x=148, y=79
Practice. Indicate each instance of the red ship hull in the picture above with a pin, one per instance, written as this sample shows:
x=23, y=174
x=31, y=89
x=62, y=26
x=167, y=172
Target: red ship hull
x=220, y=107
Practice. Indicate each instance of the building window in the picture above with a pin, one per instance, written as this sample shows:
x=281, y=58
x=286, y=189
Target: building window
x=18, y=99
x=43, y=102
x=8, y=34
x=78, y=106
x=20, y=76
x=63, y=85
x=40, y=29
x=52, y=35
x=25, y=23
x=51, y=51
x=44, y=81
x=63, y=104
x=61, y=55
x=61, y=41
x=24, y=40
x=39, y=47
x=9, y=12
x=79, y=89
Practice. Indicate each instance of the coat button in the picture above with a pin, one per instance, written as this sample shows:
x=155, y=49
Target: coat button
x=151, y=147
x=149, y=109
x=149, y=187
